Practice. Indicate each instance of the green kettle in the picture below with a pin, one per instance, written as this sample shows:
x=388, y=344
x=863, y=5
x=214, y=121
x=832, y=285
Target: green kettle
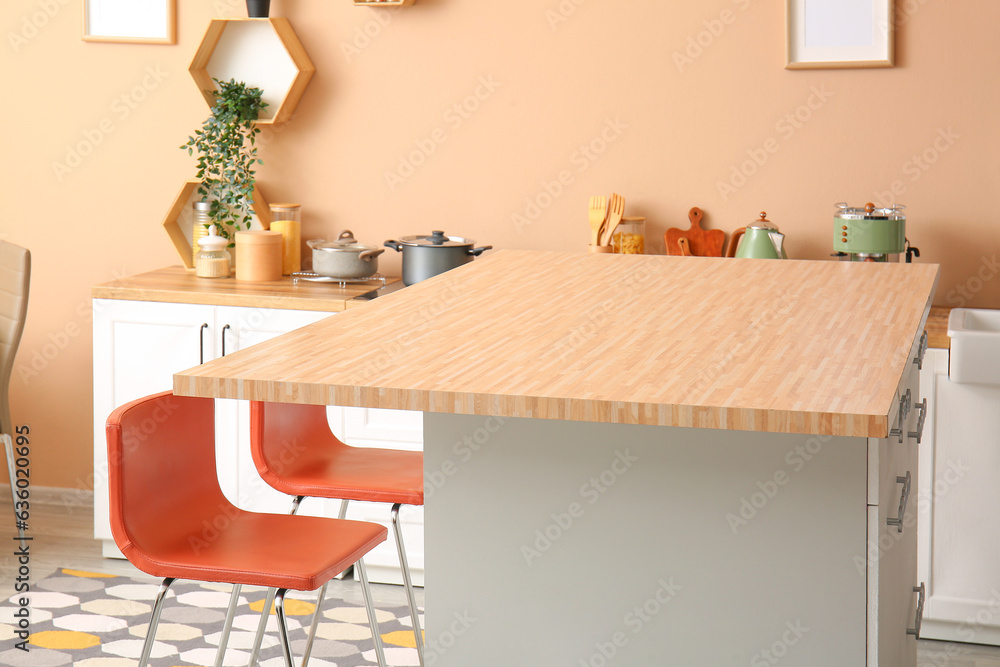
x=761, y=240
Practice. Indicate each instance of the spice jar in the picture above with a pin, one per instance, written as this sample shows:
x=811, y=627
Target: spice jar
x=287, y=220
x=630, y=237
x=199, y=229
x=212, y=260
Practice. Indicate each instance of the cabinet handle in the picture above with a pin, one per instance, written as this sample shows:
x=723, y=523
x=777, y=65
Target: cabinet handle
x=201, y=344
x=905, y=404
x=224, y=330
x=921, y=351
x=919, y=433
x=919, y=617
x=903, y=499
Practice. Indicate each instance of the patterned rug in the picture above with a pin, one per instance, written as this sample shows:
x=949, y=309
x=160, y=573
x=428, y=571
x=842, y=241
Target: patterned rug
x=97, y=620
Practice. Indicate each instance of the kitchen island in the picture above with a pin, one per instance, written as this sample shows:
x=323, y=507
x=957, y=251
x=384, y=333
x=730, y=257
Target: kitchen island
x=643, y=460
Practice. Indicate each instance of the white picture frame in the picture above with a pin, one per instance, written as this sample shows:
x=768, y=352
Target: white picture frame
x=836, y=34
x=130, y=21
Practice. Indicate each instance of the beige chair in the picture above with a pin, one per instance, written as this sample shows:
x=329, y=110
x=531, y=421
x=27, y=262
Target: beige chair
x=15, y=275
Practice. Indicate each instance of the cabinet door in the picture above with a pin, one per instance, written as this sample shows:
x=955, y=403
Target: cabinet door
x=959, y=528
x=239, y=328
x=892, y=535
x=138, y=346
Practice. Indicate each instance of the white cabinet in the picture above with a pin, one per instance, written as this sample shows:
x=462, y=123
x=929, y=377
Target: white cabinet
x=139, y=345
x=959, y=520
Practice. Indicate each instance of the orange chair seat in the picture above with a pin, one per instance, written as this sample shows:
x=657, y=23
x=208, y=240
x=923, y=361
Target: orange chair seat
x=324, y=467
x=299, y=553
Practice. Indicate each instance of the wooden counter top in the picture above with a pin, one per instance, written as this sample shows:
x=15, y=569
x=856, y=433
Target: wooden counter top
x=176, y=284
x=779, y=346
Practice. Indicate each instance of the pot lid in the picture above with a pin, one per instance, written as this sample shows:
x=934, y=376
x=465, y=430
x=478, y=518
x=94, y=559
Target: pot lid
x=213, y=241
x=870, y=212
x=437, y=239
x=763, y=223
x=344, y=243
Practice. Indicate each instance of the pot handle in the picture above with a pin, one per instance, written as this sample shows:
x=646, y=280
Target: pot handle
x=476, y=252
x=369, y=255
x=395, y=245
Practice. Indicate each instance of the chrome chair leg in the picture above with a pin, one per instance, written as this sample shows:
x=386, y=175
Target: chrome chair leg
x=234, y=600
x=418, y=634
x=268, y=600
x=372, y=620
x=264, y=614
x=154, y=620
x=319, y=602
x=279, y=608
x=8, y=445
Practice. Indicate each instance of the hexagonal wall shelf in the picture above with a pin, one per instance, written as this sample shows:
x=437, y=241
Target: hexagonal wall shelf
x=264, y=53
x=179, y=221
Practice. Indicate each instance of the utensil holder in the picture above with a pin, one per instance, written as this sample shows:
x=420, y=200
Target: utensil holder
x=600, y=248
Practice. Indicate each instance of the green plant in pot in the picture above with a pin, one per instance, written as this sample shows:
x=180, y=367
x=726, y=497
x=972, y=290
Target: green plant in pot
x=227, y=154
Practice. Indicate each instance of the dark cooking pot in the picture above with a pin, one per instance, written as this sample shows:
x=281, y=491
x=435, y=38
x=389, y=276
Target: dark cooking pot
x=427, y=256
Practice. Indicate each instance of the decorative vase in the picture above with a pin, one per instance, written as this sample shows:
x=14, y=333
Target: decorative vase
x=258, y=9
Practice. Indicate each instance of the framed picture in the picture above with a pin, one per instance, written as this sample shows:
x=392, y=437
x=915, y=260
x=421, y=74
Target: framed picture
x=134, y=21
x=839, y=33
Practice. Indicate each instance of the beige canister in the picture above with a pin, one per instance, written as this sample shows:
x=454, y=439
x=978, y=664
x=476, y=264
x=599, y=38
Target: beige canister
x=259, y=253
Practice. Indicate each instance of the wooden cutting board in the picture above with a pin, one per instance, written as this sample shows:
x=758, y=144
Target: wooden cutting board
x=702, y=242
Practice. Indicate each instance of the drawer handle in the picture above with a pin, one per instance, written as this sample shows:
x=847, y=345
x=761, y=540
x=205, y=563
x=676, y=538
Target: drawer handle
x=919, y=618
x=919, y=433
x=905, y=404
x=201, y=344
x=224, y=330
x=921, y=351
x=903, y=499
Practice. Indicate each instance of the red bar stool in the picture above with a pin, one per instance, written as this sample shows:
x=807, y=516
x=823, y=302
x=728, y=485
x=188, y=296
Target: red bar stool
x=165, y=495
x=296, y=453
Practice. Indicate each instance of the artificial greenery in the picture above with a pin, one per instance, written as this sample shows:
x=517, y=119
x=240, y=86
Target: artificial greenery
x=227, y=154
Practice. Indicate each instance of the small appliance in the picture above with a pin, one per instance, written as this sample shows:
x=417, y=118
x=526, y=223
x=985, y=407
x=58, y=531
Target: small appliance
x=871, y=234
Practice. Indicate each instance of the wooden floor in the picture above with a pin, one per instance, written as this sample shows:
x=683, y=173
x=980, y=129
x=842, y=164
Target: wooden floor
x=63, y=537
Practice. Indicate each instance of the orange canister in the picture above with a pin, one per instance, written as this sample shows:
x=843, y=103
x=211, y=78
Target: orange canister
x=260, y=255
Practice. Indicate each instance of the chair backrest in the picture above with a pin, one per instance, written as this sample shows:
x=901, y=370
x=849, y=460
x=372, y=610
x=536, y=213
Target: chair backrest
x=288, y=434
x=15, y=276
x=161, y=473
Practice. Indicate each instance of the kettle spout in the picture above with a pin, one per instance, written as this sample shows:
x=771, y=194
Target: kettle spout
x=778, y=239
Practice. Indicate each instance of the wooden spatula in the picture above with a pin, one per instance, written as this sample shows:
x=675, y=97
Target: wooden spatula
x=702, y=242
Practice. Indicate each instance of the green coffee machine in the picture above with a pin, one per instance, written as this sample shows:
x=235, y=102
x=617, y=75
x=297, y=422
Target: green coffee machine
x=871, y=234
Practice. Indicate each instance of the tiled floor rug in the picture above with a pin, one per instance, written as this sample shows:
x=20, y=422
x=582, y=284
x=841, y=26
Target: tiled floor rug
x=93, y=620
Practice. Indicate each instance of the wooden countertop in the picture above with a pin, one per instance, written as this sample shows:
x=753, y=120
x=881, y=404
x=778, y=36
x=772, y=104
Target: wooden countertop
x=176, y=284
x=778, y=346
x=937, y=328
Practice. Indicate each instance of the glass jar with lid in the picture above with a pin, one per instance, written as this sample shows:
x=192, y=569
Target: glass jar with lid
x=212, y=260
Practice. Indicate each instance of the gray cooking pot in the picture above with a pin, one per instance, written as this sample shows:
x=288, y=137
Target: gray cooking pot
x=427, y=256
x=345, y=257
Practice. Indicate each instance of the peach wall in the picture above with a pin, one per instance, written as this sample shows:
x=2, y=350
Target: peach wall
x=533, y=91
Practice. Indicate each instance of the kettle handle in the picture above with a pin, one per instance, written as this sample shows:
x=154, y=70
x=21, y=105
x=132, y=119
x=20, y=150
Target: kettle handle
x=734, y=241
